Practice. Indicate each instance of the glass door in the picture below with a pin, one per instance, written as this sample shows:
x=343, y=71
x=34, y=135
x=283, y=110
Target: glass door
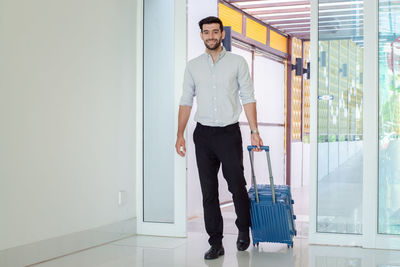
x=389, y=117
x=339, y=107
x=355, y=107
x=388, y=223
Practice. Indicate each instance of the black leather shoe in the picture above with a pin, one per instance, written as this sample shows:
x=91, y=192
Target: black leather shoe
x=214, y=252
x=243, y=241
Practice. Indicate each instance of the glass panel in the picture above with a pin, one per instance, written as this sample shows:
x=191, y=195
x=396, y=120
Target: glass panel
x=158, y=110
x=340, y=145
x=270, y=94
x=389, y=117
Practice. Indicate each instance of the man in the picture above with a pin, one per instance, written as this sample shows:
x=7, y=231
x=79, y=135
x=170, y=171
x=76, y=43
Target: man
x=218, y=79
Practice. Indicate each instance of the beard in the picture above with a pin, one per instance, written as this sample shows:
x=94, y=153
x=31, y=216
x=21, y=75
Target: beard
x=215, y=46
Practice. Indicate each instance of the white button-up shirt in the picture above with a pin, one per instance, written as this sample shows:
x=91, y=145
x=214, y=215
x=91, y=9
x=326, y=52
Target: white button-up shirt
x=217, y=88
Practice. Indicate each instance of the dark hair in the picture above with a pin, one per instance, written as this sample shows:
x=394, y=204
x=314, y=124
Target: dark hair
x=211, y=20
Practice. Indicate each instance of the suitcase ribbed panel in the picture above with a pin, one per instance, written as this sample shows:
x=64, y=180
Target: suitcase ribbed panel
x=272, y=222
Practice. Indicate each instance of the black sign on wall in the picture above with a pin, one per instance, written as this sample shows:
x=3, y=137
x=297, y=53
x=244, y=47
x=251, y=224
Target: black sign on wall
x=227, y=42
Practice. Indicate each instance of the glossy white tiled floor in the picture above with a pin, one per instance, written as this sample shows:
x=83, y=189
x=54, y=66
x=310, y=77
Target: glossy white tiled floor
x=156, y=252
x=148, y=251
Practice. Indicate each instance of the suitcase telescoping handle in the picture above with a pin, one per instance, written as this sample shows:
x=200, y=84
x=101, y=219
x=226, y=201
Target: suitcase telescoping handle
x=271, y=178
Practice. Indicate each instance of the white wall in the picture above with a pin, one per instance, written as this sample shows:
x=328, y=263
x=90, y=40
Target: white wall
x=67, y=102
x=296, y=168
x=306, y=164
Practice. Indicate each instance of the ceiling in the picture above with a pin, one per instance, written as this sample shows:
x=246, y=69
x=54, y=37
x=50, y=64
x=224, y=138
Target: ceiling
x=337, y=18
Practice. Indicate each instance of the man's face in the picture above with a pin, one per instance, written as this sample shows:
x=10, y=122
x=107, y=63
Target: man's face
x=212, y=36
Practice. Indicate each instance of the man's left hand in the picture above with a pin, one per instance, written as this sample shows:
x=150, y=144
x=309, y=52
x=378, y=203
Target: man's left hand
x=256, y=141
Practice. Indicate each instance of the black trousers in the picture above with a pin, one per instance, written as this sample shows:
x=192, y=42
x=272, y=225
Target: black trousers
x=215, y=146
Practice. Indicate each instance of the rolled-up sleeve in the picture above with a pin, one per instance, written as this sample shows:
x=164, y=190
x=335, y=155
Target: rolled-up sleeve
x=246, y=89
x=189, y=90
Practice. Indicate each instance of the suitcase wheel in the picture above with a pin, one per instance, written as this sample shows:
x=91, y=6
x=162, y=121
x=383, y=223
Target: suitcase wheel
x=292, y=201
x=290, y=245
x=256, y=244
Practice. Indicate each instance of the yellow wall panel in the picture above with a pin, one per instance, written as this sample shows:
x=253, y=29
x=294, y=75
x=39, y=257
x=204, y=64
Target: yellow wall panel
x=277, y=41
x=296, y=92
x=256, y=31
x=231, y=17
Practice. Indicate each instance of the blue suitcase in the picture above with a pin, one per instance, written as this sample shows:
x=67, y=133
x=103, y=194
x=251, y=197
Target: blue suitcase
x=272, y=218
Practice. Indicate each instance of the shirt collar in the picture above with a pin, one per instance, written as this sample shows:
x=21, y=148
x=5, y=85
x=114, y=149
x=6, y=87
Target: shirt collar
x=220, y=55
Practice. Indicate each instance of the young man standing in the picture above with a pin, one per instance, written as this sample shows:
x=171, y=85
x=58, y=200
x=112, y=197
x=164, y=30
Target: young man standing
x=219, y=80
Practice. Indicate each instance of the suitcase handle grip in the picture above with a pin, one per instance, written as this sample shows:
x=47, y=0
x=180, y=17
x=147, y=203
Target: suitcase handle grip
x=250, y=148
x=271, y=178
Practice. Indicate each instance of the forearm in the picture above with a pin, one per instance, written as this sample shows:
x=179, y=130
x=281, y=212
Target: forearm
x=183, y=117
x=251, y=114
